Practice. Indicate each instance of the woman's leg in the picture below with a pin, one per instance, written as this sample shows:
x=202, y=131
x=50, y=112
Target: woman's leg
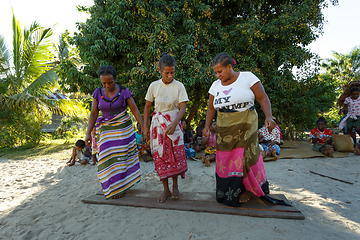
x=166, y=192
x=176, y=192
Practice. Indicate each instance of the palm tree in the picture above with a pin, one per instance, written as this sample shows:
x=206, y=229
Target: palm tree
x=28, y=72
x=345, y=68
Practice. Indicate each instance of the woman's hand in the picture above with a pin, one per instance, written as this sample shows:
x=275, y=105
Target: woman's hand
x=206, y=131
x=269, y=123
x=88, y=140
x=145, y=132
x=171, y=128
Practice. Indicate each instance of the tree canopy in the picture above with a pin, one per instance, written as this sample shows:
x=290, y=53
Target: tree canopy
x=266, y=37
x=344, y=67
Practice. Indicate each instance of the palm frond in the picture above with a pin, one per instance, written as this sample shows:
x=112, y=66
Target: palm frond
x=17, y=40
x=5, y=58
x=46, y=81
x=67, y=107
x=37, y=56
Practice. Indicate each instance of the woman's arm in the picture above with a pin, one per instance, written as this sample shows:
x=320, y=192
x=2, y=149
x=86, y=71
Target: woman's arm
x=147, y=110
x=172, y=126
x=204, y=140
x=209, y=116
x=92, y=119
x=265, y=104
x=132, y=105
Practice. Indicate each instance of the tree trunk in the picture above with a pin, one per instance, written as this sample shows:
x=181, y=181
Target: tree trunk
x=291, y=133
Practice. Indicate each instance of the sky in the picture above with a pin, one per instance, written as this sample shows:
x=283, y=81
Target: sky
x=341, y=31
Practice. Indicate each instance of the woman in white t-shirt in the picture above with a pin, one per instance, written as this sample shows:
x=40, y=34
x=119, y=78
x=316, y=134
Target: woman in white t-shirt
x=239, y=164
x=167, y=139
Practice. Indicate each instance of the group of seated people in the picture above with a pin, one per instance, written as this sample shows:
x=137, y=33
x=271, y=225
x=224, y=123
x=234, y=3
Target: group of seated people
x=269, y=142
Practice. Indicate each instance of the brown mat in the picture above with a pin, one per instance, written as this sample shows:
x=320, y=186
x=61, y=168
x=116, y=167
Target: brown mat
x=301, y=149
x=201, y=202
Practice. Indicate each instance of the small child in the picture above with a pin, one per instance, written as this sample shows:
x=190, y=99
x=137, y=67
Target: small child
x=210, y=142
x=188, y=140
x=270, y=141
x=352, y=110
x=321, y=138
x=80, y=151
x=94, y=147
x=139, y=139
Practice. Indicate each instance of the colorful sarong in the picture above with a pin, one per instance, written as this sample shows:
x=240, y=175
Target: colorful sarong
x=239, y=164
x=118, y=164
x=168, y=151
x=210, y=150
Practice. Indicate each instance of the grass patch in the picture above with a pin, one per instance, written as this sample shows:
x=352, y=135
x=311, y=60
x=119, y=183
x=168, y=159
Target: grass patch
x=45, y=147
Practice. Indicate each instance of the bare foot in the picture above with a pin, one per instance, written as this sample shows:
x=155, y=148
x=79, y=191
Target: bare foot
x=327, y=149
x=93, y=163
x=207, y=161
x=245, y=197
x=176, y=192
x=70, y=162
x=331, y=152
x=118, y=196
x=164, y=196
x=357, y=150
x=83, y=162
x=203, y=159
x=274, y=153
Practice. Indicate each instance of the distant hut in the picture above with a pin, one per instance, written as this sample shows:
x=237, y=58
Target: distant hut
x=346, y=93
x=56, y=117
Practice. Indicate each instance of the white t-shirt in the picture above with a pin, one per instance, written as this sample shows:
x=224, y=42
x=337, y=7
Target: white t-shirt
x=236, y=96
x=166, y=96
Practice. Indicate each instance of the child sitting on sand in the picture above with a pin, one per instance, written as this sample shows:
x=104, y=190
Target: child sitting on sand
x=80, y=151
x=321, y=138
x=270, y=141
x=210, y=142
x=188, y=140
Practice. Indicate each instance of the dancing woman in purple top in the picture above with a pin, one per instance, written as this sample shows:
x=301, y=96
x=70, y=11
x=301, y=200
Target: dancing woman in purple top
x=118, y=164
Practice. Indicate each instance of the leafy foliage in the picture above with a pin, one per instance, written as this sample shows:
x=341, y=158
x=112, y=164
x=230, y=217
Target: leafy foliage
x=344, y=68
x=268, y=38
x=27, y=73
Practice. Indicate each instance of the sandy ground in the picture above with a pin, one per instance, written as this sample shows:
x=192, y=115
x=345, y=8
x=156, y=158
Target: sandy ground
x=40, y=198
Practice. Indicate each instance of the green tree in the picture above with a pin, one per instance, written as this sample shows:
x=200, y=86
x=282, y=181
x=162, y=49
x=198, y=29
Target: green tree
x=268, y=38
x=344, y=68
x=27, y=73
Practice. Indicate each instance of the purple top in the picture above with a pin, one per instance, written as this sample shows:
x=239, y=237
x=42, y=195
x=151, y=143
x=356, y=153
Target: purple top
x=111, y=109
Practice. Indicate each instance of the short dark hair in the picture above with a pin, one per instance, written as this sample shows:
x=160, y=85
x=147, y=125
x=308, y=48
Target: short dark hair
x=80, y=143
x=321, y=119
x=166, y=60
x=354, y=89
x=223, y=58
x=107, y=70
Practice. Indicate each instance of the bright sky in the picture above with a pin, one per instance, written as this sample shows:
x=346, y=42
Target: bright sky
x=341, y=32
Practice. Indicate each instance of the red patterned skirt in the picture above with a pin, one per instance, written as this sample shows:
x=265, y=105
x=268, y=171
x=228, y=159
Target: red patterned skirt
x=168, y=151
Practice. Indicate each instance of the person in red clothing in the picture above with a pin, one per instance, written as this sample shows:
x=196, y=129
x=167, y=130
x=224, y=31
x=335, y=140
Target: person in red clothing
x=321, y=138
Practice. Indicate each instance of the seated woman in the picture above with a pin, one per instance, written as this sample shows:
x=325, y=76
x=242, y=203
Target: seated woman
x=321, y=138
x=270, y=141
x=210, y=143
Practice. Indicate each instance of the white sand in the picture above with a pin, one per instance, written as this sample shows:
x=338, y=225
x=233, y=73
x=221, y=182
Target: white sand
x=41, y=199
